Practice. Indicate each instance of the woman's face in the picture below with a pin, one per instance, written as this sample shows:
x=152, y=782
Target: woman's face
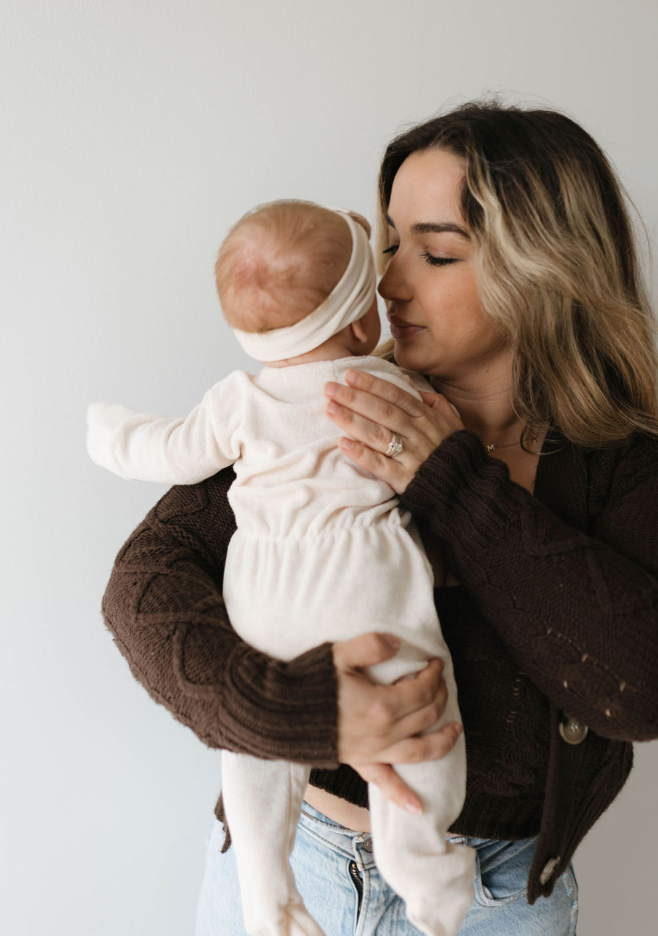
x=429, y=284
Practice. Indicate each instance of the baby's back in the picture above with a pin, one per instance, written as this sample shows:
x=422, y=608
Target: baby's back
x=322, y=550
x=291, y=477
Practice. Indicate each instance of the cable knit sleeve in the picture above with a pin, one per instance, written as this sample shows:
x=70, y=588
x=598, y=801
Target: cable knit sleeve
x=577, y=610
x=163, y=605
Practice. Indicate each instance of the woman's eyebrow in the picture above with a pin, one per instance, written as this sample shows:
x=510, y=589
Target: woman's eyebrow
x=431, y=227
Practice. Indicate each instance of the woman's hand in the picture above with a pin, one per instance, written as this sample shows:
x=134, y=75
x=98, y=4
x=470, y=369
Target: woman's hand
x=371, y=410
x=379, y=725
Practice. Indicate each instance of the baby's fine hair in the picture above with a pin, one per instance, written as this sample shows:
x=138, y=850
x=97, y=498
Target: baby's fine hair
x=279, y=262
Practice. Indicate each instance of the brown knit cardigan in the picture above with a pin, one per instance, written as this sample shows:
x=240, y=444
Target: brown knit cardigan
x=556, y=618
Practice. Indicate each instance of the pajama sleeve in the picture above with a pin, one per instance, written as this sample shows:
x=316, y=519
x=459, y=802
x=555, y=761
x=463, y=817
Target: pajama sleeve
x=152, y=447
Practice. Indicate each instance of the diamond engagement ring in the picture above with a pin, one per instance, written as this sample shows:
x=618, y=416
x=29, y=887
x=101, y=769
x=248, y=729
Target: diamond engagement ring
x=395, y=447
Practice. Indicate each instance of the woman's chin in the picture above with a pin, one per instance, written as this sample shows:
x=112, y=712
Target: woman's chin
x=410, y=358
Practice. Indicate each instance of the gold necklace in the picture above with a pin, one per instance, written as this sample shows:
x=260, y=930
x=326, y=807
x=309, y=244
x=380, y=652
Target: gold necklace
x=494, y=448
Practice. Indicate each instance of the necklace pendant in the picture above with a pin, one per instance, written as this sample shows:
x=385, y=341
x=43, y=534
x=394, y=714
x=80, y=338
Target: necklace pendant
x=490, y=448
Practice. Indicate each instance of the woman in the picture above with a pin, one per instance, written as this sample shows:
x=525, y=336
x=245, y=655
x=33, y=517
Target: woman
x=512, y=284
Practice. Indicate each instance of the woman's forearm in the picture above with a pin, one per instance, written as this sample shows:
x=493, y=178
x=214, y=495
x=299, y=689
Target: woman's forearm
x=163, y=605
x=578, y=612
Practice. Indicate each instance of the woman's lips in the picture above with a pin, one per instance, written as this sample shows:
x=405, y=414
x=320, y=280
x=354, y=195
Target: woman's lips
x=400, y=329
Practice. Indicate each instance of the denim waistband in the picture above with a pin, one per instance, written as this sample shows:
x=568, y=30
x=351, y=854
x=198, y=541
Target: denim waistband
x=351, y=842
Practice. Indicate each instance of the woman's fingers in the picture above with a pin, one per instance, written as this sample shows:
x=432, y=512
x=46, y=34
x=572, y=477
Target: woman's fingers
x=372, y=415
x=365, y=650
x=430, y=747
x=375, y=397
x=413, y=695
x=371, y=410
x=422, y=719
x=387, y=404
x=364, y=715
x=374, y=718
x=376, y=434
x=438, y=401
x=384, y=389
x=393, y=703
x=392, y=786
x=380, y=725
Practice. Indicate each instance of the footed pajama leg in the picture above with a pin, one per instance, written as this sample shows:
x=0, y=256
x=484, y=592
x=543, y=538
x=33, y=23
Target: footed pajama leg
x=263, y=801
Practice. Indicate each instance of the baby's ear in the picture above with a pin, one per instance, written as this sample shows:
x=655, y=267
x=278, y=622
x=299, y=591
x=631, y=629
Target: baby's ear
x=355, y=216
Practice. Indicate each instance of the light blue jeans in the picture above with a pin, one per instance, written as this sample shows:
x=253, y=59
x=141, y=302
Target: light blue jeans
x=343, y=890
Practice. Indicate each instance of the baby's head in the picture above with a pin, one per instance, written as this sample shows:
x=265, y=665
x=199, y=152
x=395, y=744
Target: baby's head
x=282, y=260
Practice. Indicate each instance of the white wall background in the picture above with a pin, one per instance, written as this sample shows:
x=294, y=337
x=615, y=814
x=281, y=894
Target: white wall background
x=132, y=134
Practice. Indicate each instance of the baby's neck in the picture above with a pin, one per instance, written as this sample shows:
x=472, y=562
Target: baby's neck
x=323, y=353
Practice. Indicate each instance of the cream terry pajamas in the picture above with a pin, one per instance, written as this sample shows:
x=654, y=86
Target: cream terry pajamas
x=322, y=552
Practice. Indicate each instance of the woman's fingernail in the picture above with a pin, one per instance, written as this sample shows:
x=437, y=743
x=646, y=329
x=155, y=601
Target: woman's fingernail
x=351, y=375
x=457, y=730
x=411, y=806
x=346, y=444
x=394, y=642
x=330, y=389
x=332, y=407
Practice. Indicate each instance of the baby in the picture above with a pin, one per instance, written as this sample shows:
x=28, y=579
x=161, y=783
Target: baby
x=322, y=550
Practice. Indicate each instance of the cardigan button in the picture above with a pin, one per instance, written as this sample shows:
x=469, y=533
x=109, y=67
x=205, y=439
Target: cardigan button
x=549, y=868
x=572, y=731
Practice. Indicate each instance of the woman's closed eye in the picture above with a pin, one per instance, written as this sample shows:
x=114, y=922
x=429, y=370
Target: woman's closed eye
x=438, y=261
x=427, y=256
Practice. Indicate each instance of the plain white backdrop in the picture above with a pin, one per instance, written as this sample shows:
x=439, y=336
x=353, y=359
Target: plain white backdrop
x=132, y=135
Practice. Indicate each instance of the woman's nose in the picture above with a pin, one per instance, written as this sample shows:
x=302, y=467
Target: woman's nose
x=393, y=284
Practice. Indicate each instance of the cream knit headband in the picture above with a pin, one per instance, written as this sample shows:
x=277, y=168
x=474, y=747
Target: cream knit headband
x=349, y=300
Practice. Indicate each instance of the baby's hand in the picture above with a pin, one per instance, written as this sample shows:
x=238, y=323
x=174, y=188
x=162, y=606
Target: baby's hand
x=107, y=415
x=105, y=423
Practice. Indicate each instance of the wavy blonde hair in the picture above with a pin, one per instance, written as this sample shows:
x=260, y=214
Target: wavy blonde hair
x=556, y=263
